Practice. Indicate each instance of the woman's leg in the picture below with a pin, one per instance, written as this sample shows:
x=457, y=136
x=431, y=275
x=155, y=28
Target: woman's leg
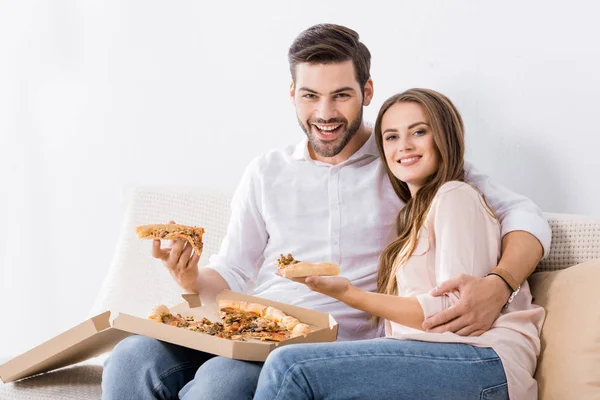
x=382, y=369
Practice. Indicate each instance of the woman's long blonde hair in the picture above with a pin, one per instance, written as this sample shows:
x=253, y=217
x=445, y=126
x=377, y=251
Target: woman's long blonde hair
x=448, y=135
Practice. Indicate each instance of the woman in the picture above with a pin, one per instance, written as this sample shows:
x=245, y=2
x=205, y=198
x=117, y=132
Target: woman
x=445, y=229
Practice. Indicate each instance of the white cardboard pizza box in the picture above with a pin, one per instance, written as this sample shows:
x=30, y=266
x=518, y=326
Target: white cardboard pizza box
x=100, y=334
x=87, y=340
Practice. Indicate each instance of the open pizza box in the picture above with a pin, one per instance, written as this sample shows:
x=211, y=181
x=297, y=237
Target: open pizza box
x=100, y=334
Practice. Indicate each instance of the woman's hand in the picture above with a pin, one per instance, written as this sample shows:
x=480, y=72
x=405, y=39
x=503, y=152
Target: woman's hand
x=334, y=286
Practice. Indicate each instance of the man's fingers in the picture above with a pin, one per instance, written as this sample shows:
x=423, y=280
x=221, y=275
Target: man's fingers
x=478, y=332
x=176, y=251
x=185, y=257
x=441, y=318
x=452, y=326
x=466, y=330
x=448, y=286
x=157, y=252
x=193, y=261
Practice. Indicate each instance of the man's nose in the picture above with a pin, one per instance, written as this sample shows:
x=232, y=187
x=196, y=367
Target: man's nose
x=326, y=109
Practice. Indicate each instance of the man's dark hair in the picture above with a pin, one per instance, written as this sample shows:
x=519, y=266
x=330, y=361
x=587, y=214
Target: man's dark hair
x=330, y=43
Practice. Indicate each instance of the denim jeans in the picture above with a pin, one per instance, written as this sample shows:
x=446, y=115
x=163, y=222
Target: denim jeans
x=144, y=368
x=382, y=369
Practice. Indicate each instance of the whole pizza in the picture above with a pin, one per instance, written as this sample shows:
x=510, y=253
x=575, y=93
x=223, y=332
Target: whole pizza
x=240, y=320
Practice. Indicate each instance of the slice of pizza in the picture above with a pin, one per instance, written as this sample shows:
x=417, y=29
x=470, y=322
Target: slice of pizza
x=260, y=322
x=291, y=268
x=192, y=234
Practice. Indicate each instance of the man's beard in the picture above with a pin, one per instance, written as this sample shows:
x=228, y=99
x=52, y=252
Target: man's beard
x=332, y=149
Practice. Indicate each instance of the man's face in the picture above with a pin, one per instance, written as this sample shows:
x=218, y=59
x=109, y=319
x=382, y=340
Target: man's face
x=328, y=101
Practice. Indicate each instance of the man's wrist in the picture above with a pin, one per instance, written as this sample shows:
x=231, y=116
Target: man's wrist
x=501, y=286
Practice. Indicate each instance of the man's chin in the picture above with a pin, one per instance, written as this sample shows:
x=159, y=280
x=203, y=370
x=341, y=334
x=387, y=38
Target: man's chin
x=327, y=150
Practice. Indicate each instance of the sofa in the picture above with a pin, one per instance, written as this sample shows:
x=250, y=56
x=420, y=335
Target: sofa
x=563, y=283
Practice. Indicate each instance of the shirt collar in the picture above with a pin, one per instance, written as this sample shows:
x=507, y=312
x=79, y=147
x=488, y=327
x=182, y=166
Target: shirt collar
x=368, y=149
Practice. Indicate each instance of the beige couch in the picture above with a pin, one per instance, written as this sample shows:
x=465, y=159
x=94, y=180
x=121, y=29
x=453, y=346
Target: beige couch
x=570, y=359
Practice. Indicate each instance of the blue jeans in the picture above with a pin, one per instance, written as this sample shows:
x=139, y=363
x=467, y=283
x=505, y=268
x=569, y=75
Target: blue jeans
x=382, y=369
x=144, y=368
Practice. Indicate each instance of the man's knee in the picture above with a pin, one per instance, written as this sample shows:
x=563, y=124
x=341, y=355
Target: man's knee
x=224, y=378
x=133, y=354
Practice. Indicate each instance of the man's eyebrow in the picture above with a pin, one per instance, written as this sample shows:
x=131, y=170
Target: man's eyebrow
x=344, y=89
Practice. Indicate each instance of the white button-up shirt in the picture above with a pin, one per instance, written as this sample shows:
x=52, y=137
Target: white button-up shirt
x=287, y=202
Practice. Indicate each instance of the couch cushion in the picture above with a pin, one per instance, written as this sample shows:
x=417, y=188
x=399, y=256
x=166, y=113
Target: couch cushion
x=570, y=359
x=79, y=382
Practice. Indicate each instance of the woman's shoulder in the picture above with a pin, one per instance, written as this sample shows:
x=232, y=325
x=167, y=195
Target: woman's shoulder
x=461, y=195
x=456, y=189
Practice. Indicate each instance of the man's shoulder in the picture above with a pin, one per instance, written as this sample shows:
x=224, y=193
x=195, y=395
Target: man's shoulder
x=273, y=159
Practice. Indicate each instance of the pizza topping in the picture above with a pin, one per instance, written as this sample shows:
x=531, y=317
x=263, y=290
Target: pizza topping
x=284, y=261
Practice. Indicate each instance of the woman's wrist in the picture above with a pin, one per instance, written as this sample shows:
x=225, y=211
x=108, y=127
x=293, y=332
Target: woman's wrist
x=352, y=296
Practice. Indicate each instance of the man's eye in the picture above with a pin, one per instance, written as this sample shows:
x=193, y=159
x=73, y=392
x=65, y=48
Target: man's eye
x=342, y=95
x=309, y=96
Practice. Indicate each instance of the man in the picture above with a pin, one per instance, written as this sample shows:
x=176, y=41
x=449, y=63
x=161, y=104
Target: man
x=327, y=198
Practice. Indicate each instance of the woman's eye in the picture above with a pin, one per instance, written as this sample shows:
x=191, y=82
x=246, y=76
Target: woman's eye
x=391, y=137
x=419, y=133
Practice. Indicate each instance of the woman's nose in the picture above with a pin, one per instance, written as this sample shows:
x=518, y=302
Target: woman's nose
x=405, y=144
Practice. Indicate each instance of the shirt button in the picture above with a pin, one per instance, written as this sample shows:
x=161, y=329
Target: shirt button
x=335, y=207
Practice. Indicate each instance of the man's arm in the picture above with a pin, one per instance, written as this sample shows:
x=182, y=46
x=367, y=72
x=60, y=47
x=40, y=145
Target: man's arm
x=240, y=253
x=526, y=238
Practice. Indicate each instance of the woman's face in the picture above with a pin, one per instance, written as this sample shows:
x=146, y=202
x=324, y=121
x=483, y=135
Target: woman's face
x=408, y=144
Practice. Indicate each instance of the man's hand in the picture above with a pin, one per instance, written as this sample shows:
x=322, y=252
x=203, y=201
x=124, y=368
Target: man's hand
x=481, y=300
x=178, y=258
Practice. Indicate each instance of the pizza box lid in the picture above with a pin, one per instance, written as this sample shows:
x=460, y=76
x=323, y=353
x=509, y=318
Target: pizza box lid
x=87, y=340
x=101, y=333
x=324, y=328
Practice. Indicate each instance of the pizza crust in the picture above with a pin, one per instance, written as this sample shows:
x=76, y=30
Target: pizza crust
x=159, y=312
x=303, y=269
x=301, y=330
x=192, y=234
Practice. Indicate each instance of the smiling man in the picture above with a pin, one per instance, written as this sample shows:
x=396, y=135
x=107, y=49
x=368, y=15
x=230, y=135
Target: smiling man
x=326, y=198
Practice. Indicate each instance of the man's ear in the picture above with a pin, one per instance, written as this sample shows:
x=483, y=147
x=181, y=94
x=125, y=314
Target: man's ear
x=292, y=93
x=368, y=92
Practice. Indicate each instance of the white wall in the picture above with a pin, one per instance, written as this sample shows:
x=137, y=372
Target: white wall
x=95, y=96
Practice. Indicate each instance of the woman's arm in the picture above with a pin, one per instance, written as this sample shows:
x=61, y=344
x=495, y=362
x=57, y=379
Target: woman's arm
x=467, y=241
x=403, y=310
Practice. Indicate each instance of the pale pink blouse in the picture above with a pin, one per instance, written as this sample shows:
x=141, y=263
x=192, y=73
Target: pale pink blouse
x=461, y=235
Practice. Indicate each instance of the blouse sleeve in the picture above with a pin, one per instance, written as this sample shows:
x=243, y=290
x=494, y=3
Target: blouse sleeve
x=467, y=241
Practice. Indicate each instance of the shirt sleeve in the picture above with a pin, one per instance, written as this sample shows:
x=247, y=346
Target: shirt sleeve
x=467, y=241
x=515, y=212
x=242, y=249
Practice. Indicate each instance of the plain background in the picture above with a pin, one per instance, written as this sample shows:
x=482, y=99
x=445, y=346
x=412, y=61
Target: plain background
x=97, y=96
